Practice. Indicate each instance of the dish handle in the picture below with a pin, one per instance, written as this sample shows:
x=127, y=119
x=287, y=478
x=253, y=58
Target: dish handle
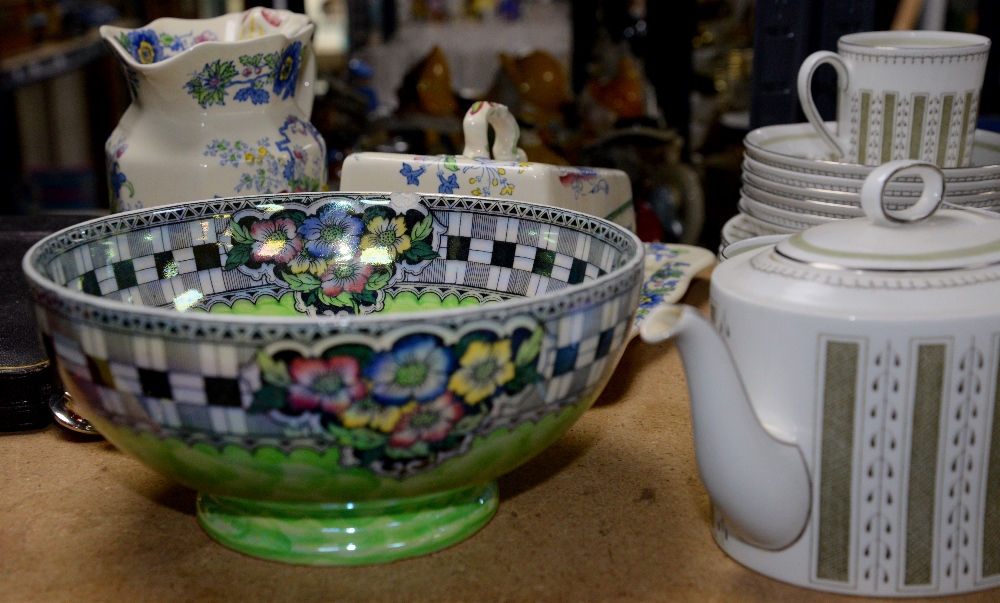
x=669, y=270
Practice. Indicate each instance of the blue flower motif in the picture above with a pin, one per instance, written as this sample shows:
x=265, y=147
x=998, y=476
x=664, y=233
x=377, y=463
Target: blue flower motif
x=116, y=179
x=257, y=96
x=412, y=176
x=447, y=186
x=332, y=234
x=145, y=46
x=417, y=368
x=288, y=71
x=650, y=300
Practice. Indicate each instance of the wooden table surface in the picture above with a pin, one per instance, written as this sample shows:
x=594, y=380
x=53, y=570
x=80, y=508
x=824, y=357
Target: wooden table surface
x=612, y=511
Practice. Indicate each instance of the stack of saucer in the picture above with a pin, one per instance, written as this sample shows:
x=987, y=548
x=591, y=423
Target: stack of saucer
x=790, y=183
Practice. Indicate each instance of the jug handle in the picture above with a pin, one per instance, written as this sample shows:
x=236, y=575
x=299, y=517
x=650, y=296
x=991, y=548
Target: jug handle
x=305, y=91
x=476, y=124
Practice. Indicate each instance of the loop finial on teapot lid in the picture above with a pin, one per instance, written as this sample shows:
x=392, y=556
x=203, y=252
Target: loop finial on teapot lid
x=873, y=191
x=920, y=237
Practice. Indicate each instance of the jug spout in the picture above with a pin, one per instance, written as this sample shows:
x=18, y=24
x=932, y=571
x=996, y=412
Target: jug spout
x=248, y=62
x=759, y=483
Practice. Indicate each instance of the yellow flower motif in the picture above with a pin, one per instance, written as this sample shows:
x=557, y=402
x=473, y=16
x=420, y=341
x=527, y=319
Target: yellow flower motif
x=146, y=53
x=477, y=192
x=495, y=182
x=472, y=180
x=501, y=171
x=375, y=416
x=482, y=369
x=305, y=261
x=507, y=190
x=384, y=241
x=251, y=158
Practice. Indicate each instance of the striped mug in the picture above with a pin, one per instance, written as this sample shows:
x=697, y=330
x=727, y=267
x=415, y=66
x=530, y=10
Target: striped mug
x=902, y=95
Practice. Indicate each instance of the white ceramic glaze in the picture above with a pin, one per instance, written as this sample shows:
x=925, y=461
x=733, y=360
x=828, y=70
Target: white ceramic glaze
x=844, y=399
x=903, y=94
x=778, y=215
x=819, y=182
x=600, y=192
x=801, y=203
x=732, y=250
x=799, y=148
x=220, y=107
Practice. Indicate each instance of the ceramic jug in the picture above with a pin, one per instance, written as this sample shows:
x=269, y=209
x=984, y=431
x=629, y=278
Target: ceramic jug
x=844, y=398
x=220, y=107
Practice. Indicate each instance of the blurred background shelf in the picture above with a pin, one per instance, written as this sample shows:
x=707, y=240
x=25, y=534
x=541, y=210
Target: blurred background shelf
x=52, y=59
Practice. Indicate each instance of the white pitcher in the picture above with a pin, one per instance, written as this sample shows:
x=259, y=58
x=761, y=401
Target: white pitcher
x=220, y=107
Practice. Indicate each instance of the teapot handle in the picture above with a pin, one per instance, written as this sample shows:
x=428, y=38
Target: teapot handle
x=930, y=200
x=476, y=124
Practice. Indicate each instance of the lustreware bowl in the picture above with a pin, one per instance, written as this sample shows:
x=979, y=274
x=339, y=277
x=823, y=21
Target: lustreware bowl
x=342, y=377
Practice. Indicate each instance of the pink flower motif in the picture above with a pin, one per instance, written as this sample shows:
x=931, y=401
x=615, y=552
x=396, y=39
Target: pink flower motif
x=205, y=36
x=429, y=422
x=327, y=384
x=275, y=240
x=345, y=276
x=271, y=17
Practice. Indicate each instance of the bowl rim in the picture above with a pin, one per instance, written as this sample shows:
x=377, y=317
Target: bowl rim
x=514, y=305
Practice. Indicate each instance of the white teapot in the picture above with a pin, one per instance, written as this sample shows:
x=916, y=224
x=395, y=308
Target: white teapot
x=220, y=107
x=844, y=401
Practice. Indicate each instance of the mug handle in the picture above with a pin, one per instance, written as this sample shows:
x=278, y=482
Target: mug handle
x=806, y=72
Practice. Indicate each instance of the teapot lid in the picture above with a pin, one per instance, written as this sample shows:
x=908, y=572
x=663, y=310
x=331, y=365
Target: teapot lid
x=920, y=237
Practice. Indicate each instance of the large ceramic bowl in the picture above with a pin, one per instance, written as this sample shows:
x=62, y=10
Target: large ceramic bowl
x=342, y=377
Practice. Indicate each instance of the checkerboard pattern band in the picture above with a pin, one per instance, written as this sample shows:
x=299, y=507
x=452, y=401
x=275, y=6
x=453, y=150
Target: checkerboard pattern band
x=189, y=388
x=150, y=266
x=515, y=256
x=160, y=265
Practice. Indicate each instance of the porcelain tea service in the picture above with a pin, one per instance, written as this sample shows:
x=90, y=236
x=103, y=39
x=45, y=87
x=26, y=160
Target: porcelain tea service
x=843, y=398
x=902, y=94
x=791, y=183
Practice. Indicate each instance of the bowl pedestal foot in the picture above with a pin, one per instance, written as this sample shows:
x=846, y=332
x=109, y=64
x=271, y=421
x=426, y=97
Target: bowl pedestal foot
x=347, y=533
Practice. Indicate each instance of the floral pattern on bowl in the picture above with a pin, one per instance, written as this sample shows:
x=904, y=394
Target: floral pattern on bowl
x=339, y=257
x=420, y=397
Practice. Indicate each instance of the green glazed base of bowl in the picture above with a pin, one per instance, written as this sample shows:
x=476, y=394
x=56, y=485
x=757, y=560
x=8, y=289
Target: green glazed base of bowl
x=347, y=533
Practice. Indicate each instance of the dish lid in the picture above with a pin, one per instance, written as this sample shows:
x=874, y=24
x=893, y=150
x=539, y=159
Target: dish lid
x=919, y=238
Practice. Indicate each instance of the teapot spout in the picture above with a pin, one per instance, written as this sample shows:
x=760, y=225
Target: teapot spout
x=759, y=483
